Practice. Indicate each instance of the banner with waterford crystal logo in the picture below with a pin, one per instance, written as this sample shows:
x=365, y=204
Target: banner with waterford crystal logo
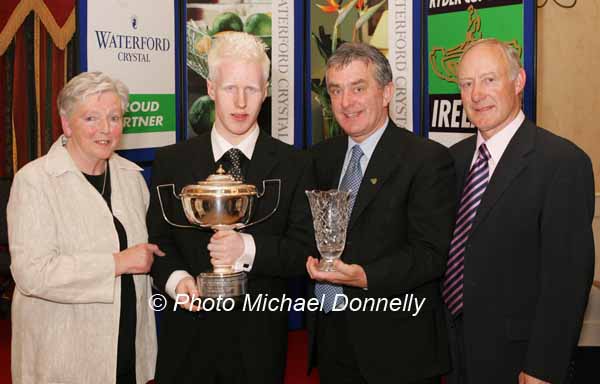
x=134, y=41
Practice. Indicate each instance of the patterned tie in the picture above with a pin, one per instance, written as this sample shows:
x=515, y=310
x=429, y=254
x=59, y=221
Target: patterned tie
x=350, y=182
x=475, y=185
x=235, y=158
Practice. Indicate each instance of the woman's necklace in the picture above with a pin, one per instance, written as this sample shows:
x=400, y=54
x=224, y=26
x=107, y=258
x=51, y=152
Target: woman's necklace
x=104, y=182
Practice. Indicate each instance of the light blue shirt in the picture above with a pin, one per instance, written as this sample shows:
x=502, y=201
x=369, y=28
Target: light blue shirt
x=367, y=146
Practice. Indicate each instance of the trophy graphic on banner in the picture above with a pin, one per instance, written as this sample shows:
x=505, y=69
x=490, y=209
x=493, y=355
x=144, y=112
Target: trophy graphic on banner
x=220, y=203
x=331, y=213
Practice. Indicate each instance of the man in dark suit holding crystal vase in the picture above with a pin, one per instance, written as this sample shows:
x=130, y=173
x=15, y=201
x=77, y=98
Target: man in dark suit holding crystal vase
x=402, y=192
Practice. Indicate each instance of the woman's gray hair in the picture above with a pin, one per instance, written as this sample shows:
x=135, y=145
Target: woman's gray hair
x=349, y=52
x=86, y=84
x=238, y=46
x=510, y=53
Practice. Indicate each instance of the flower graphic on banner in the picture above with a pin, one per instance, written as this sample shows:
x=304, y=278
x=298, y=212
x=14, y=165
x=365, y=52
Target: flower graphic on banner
x=332, y=6
x=328, y=43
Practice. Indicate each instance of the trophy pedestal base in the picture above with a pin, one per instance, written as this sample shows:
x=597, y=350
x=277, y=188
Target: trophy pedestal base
x=326, y=265
x=224, y=285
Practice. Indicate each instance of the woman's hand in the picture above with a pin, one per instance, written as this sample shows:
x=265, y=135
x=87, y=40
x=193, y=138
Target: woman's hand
x=136, y=259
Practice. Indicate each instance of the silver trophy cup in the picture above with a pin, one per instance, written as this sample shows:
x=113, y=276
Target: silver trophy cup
x=331, y=213
x=220, y=203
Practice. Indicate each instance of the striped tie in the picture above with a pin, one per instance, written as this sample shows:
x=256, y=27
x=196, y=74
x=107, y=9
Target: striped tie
x=477, y=181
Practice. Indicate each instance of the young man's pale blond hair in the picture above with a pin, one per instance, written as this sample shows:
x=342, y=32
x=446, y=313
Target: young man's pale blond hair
x=238, y=46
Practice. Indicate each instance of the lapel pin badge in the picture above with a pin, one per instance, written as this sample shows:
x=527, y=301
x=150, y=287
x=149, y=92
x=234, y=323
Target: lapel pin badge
x=374, y=180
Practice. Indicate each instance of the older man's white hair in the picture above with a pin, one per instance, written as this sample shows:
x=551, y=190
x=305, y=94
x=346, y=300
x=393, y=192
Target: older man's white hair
x=238, y=46
x=510, y=54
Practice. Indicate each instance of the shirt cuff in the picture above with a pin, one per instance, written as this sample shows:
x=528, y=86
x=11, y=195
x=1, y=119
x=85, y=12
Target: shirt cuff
x=172, y=282
x=245, y=262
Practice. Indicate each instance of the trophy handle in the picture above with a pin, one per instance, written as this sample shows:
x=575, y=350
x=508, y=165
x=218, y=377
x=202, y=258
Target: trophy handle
x=162, y=208
x=261, y=194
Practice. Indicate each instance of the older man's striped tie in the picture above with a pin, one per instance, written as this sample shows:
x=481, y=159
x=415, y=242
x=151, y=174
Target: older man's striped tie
x=475, y=185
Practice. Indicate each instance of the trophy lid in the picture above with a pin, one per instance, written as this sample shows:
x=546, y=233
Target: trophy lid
x=219, y=184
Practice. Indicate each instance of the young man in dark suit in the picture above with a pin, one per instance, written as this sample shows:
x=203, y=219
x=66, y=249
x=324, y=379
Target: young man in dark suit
x=522, y=256
x=402, y=188
x=239, y=346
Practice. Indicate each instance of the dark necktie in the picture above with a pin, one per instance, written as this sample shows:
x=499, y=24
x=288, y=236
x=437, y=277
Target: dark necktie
x=475, y=185
x=353, y=175
x=350, y=182
x=234, y=156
